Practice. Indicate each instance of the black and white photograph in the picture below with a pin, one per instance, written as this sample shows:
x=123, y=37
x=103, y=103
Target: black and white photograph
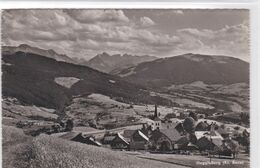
x=125, y=88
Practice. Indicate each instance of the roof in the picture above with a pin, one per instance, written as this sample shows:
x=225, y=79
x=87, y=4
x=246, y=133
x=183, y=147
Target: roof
x=214, y=136
x=222, y=131
x=69, y=135
x=192, y=145
x=109, y=138
x=142, y=135
x=128, y=133
x=170, y=125
x=200, y=134
x=157, y=119
x=122, y=138
x=172, y=134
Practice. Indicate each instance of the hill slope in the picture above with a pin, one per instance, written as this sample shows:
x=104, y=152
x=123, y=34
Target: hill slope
x=188, y=68
x=21, y=151
x=109, y=63
x=45, y=82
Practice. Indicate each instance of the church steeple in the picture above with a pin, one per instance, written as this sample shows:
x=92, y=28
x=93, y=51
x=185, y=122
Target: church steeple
x=155, y=111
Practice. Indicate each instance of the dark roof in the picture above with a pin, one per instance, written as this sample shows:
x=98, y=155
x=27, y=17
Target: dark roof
x=86, y=139
x=182, y=140
x=172, y=134
x=157, y=119
x=202, y=126
x=128, y=133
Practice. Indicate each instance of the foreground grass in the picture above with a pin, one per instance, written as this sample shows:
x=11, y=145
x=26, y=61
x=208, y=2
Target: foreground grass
x=50, y=152
x=14, y=145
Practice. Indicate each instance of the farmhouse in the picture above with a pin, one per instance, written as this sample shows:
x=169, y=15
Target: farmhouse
x=82, y=138
x=165, y=139
x=139, y=141
x=108, y=139
x=208, y=140
x=119, y=142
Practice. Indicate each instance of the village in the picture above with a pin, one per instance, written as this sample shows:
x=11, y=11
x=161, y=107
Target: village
x=193, y=135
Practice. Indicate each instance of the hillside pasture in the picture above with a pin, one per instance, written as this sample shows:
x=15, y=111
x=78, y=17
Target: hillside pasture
x=20, y=151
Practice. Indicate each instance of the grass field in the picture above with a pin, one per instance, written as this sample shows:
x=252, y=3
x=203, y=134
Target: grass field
x=50, y=152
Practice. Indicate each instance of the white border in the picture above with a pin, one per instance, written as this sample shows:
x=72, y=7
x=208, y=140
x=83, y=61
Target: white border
x=254, y=7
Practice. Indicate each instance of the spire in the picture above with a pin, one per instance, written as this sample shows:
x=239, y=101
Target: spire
x=155, y=111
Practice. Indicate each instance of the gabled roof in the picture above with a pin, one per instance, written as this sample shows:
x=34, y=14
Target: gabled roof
x=122, y=138
x=109, y=137
x=128, y=133
x=215, y=137
x=172, y=134
x=142, y=135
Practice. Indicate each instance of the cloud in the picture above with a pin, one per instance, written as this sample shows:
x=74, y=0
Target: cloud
x=146, y=21
x=85, y=33
x=230, y=40
x=92, y=16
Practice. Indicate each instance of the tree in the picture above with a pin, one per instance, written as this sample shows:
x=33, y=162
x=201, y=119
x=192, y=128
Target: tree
x=69, y=125
x=189, y=124
x=194, y=116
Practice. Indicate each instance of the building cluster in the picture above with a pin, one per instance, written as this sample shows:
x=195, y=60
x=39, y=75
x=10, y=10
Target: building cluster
x=169, y=135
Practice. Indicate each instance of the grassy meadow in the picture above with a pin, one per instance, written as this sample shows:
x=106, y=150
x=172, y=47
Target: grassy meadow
x=44, y=151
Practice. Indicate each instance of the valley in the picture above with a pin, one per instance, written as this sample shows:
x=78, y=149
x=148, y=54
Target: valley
x=66, y=101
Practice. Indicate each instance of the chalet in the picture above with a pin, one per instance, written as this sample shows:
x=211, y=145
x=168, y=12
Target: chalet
x=128, y=134
x=164, y=139
x=208, y=140
x=82, y=138
x=119, y=142
x=173, y=125
x=139, y=141
x=108, y=139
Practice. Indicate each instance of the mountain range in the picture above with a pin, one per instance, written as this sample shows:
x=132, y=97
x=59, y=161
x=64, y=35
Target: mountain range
x=115, y=63
x=35, y=79
x=37, y=51
x=188, y=68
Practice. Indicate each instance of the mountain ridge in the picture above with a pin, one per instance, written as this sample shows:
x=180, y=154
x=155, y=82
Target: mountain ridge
x=188, y=68
x=108, y=63
x=50, y=53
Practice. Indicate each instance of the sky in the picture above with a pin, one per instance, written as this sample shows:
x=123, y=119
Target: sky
x=157, y=32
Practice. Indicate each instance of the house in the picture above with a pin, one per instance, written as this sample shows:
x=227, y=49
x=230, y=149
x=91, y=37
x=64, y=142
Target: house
x=82, y=138
x=224, y=132
x=164, y=139
x=139, y=141
x=119, y=142
x=202, y=126
x=108, y=139
x=127, y=134
x=181, y=143
x=173, y=125
x=208, y=140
